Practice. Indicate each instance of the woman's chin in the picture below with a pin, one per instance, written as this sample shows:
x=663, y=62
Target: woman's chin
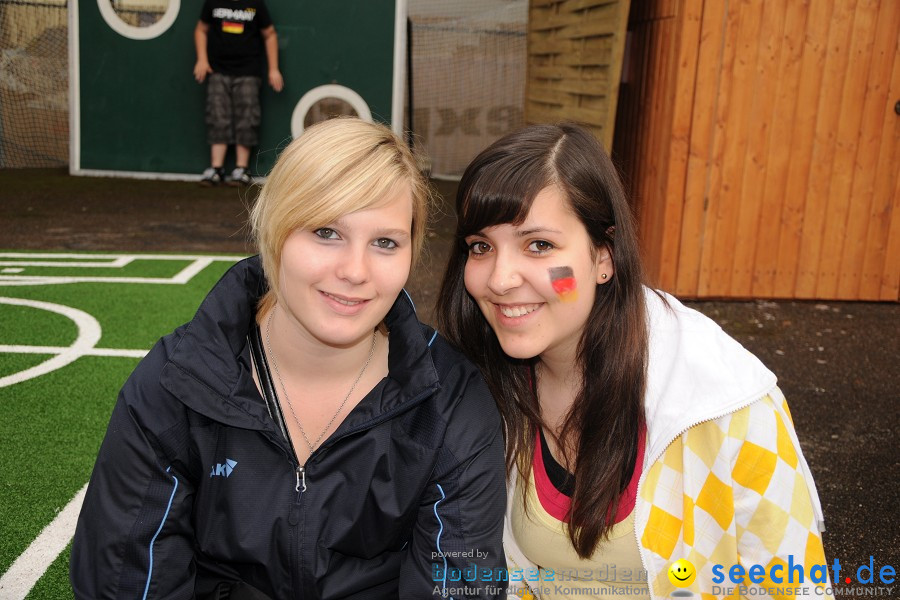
x=519, y=351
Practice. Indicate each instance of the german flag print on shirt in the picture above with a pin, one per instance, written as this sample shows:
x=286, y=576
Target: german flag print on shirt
x=232, y=27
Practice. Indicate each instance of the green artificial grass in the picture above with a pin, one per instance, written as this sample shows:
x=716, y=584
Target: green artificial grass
x=53, y=424
x=52, y=429
x=29, y=326
x=131, y=315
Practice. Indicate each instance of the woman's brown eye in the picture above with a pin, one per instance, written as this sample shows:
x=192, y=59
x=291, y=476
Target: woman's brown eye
x=478, y=248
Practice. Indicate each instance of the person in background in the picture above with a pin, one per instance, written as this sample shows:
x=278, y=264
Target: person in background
x=304, y=436
x=638, y=433
x=235, y=42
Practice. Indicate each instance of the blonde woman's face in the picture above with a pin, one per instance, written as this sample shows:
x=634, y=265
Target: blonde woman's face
x=339, y=281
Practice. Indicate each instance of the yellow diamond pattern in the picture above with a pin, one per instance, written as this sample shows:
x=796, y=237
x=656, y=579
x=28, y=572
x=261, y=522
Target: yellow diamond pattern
x=662, y=532
x=754, y=467
x=716, y=499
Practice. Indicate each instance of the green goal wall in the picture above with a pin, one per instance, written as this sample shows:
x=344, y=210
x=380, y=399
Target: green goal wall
x=137, y=111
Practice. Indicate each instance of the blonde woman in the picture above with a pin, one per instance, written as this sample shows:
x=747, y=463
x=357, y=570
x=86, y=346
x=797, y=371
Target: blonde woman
x=304, y=436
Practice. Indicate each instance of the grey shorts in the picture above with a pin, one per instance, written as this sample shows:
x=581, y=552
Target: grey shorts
x=232, y=109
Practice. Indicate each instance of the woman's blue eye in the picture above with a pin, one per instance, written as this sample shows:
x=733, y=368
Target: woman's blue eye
x=385, y=243
x=540, y=246
x=326, y=233
x=479, y=247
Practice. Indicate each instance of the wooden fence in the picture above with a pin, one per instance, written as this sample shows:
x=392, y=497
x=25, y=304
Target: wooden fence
x=761, y=141
x=575, y=52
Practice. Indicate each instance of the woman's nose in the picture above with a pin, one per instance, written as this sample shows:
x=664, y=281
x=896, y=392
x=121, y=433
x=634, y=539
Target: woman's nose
x=354, y=266
x=505, y=275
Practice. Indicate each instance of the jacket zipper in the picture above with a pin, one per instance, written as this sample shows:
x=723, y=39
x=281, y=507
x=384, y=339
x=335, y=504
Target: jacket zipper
x=300, y=484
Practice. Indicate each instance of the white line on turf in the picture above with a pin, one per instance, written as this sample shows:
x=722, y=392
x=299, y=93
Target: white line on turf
x=87, y=338
x=87, y=261
x=192, y=269
x=104, y=263
x=31, y=564
x=116, y=352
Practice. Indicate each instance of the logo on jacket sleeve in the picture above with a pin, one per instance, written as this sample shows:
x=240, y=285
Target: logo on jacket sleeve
x=223, y=469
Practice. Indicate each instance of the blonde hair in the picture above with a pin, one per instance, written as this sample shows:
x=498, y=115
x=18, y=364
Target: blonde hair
x=334, y=168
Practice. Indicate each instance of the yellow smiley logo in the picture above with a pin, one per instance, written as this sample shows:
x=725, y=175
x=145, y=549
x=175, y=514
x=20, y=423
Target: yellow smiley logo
x=682, y=573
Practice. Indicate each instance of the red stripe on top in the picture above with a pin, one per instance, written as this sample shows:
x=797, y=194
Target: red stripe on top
x=557, y=504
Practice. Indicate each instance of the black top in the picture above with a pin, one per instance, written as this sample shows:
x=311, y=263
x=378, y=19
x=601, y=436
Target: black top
x=234, y=42
x=562, y=480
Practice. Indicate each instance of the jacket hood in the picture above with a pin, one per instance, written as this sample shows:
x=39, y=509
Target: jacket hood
x=210, y=370
x=696, y=372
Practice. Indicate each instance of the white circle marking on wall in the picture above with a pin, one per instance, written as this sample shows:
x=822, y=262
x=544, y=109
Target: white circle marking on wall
x=138, y=33
x=327, y=91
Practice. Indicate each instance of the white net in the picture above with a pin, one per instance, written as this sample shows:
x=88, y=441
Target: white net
x=34, y=83
x=468, y=77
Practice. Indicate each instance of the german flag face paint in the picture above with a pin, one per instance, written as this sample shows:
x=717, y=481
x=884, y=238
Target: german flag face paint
x=563, y=281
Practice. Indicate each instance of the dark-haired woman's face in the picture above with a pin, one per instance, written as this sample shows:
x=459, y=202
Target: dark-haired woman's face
x=535, y=282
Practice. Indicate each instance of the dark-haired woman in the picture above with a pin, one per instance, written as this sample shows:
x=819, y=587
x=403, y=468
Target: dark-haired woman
x=638, y=433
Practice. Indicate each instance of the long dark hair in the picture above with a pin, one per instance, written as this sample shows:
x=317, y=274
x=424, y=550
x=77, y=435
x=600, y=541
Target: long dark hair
x=603, y=424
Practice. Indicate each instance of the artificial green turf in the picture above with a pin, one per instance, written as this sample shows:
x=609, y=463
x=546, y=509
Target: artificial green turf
x=52, y=429
x=29, y=326
x=53, y=425
x=132, y=316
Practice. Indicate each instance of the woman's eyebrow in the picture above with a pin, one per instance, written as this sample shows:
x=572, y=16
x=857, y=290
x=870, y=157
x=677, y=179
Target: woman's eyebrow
x=400, y=233
x=534, y=230
x=341, y=224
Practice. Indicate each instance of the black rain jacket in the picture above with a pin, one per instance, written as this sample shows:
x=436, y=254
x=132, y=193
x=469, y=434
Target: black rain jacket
x=196, y=486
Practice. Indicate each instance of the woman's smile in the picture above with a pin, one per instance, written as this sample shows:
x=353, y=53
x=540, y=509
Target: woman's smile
x=516, y=312
x=345, y=305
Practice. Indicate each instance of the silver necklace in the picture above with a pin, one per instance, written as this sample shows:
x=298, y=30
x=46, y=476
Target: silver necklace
x=313, y=445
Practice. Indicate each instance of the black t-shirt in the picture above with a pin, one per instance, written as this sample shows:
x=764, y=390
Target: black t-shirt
x=234, y=42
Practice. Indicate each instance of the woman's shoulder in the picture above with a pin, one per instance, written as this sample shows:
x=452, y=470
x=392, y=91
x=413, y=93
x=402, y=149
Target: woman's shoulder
x=462, y=385
x=696, y=372
x=765, y=422
x=448, y=360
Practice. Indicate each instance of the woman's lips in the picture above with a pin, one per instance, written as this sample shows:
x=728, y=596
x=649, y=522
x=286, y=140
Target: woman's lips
x=344, y=304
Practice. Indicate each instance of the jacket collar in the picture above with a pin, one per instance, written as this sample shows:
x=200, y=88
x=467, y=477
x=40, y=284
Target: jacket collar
x=696, y=372
x=209, y=368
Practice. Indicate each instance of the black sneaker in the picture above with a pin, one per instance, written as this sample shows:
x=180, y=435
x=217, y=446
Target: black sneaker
x=212, y=176
x=239, y=177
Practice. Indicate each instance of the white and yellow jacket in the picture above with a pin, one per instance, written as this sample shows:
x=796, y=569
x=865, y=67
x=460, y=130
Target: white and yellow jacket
x=725, y=482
